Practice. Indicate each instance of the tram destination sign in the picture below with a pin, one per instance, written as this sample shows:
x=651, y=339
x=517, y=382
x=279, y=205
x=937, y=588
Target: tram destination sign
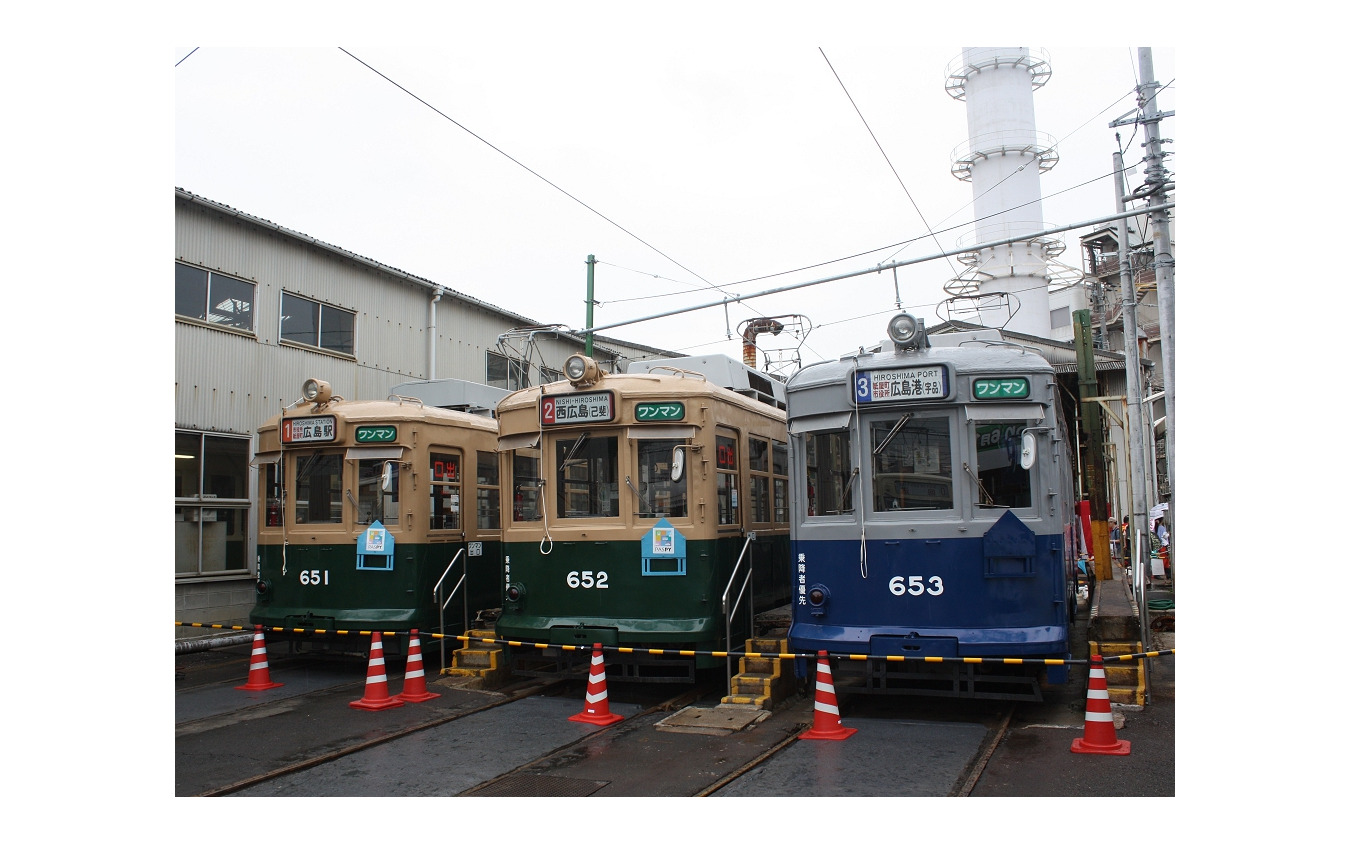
x=576, y=407
x=309, y=429
x=914, y=383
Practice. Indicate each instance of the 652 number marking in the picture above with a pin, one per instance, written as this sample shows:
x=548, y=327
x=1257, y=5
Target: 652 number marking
x=588, y=580
x=914, y=585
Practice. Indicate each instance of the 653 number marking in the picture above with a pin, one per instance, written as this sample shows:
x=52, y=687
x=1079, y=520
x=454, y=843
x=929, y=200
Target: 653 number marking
x=914, y=585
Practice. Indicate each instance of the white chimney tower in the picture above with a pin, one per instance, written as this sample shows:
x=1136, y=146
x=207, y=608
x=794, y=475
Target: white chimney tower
x=1003, y=286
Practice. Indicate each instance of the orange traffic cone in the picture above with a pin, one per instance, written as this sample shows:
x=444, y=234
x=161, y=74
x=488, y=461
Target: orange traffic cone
x=827, y=724
x=1099, y=727
x=377, y=684
x=597, y=697
x=414, y=677
x=259, y=677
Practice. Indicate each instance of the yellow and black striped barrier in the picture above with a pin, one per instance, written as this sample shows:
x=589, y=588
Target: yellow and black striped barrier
x=970, y=660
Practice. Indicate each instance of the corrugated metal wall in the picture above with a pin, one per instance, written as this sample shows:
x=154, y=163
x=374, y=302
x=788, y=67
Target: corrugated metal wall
x=230, y=381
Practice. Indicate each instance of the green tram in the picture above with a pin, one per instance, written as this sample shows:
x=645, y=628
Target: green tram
x=649, y=511
x=376, y=515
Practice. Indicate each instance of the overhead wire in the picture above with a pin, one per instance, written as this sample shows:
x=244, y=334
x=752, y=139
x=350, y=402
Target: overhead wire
x=185, y=58
x=537, y=175
x=882, y=150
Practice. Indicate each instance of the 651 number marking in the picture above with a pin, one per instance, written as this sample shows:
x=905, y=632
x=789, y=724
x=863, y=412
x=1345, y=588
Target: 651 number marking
x=914, y=585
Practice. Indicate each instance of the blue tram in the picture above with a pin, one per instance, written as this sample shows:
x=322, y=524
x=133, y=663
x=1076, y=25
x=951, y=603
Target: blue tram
x=936, y=517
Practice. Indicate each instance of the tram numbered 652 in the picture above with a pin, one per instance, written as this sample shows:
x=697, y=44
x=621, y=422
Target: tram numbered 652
x=634, y=499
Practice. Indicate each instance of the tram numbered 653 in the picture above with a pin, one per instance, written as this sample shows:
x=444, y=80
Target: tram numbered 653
x=936, y=519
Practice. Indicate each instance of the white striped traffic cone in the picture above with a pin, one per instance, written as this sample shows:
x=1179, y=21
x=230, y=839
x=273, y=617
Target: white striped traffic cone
x=1099, y=726
x=597, y=696
x=377, y=684
x=259, y=677
x=827, y=724
x=414, y=677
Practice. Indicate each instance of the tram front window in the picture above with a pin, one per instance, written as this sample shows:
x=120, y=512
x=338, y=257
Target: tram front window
x=588, y=476
x=911, y=464
x=525, y=485
x=829, y=474
x=657, y=494
x=1003, y=481
x=445, y=488
x=318, y=488
x=373, y=502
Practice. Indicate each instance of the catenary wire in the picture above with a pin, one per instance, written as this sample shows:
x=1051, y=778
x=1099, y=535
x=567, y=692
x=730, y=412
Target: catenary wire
x=537, y=175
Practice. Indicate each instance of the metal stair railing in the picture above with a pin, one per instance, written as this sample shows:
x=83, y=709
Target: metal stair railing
x=436, y=595
x=747, y=585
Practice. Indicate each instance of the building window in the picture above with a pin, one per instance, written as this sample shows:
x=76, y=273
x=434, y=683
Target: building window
x=314, y=324
x=1059, y=318
x=211, y=505
x=213, y=298
x=548, y=376
x=505, y=373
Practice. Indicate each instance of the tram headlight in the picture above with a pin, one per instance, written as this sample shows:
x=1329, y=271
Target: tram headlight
x=906, y=332
x=264, y=589
x=816, y=598
x=316, y=391
x=515, y=593
x=581, y=370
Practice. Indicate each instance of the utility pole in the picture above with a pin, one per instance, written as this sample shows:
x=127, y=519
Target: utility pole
x=590, y=304
x=1140, y=436
x=1157, y=183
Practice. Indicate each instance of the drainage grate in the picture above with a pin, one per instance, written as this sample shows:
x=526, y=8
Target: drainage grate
x=534, y=785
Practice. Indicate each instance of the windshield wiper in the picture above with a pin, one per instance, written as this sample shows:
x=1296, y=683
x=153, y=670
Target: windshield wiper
x=573, y=450
x=895, y=429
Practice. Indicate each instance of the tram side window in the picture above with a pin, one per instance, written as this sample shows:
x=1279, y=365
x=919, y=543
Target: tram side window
x=658, y=495
x=373, y=501
x=1003, y=481
x=780, y=483
x=588, y=472
x=911, y=464
x=445, y=485
x=271, y=495
x=829, y=474
x=728, y=492
x=759, y=480
x=489, y=491
x=525, y=485
x=318, y=488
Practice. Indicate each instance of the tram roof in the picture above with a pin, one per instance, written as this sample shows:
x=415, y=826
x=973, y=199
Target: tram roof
x=974, y=356
x=384, y=410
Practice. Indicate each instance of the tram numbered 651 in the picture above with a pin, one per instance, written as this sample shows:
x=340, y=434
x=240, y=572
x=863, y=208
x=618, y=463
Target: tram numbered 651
x=369, y=507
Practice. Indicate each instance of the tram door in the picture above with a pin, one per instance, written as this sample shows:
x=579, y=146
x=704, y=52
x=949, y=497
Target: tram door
x=447, y=540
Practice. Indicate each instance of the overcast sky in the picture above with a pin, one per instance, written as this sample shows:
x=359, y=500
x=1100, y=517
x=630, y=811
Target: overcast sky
x=692, y=169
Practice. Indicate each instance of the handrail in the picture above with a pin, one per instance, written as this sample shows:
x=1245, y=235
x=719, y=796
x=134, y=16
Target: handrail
x=729, y=611
x=436, y=596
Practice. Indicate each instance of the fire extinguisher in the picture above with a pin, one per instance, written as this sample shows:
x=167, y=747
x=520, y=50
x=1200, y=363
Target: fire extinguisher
x=273, y=513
